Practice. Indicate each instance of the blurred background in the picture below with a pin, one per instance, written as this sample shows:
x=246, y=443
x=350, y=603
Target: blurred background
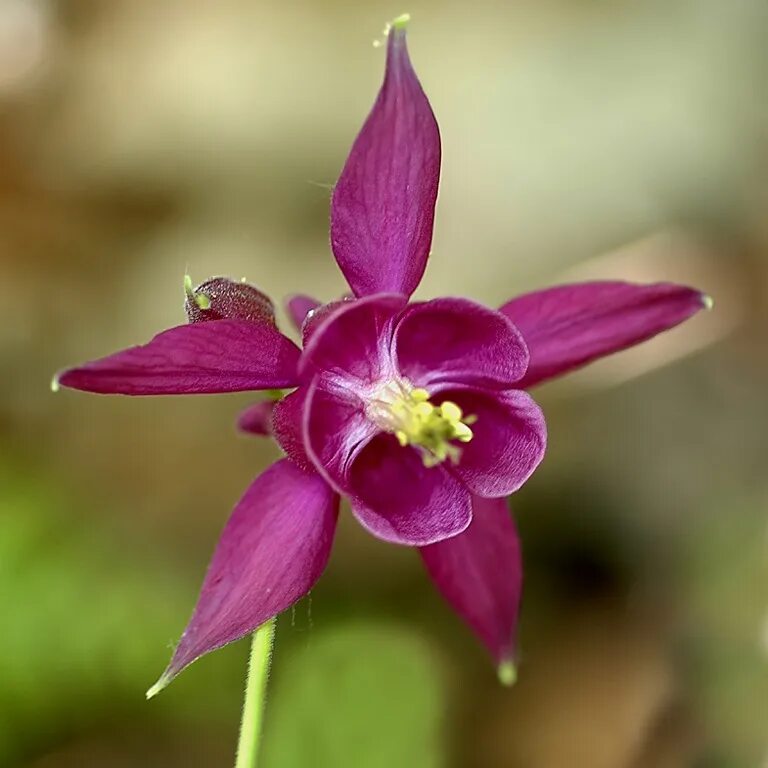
x=582, y=138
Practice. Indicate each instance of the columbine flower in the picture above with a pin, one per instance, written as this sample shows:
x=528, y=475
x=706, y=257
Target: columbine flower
x=415, y=412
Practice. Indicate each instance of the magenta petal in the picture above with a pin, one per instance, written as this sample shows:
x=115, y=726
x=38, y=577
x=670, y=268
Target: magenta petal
x=220, y=297
x=256, y=419
x=480, y=573
x=458, y=341
x=316, y=318
x=508, y=443
x=353, y=340
x=383, y=204
x=202, y=358
x=400, y=500
x=272, y=551
x=288, y=424
x=298, y=307
x=335, y=429
x=571, y=325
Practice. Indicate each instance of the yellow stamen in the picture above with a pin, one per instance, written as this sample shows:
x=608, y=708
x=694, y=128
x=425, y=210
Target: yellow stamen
x=414, y=420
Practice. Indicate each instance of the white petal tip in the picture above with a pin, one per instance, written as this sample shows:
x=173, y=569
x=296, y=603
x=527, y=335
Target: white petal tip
x=401, y=22
x=707, y=301
x=55, y=386
x=507, y=673
x=157, y=687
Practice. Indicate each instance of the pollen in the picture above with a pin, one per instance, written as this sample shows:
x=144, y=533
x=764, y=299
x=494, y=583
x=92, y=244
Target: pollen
x=432, y=429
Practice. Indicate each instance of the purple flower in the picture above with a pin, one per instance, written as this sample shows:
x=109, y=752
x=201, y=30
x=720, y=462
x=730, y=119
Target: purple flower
x=416, y=412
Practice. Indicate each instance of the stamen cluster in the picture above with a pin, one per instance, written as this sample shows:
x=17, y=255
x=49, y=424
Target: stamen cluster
x=408, y=413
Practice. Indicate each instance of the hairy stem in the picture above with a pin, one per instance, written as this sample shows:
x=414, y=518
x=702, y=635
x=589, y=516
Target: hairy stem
x=255, y=693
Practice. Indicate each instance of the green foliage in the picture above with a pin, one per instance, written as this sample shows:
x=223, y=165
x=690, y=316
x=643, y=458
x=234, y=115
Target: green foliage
x=727, y=592
x=77, y=613
x=360, y=695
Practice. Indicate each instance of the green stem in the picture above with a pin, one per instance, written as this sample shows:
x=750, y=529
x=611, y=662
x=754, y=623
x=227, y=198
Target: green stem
x=255, y=691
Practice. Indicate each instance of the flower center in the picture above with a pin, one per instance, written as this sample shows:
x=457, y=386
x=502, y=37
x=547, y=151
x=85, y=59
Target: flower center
x=407, y=413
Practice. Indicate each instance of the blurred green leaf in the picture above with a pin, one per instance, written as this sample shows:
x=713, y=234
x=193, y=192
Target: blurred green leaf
x=362, y=695
x=726, y=592
x=80, y=613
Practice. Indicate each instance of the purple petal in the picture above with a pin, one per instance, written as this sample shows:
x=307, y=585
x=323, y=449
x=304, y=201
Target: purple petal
x=315, y=319
x=383, y=205
x=568, y=326
x=288, y=424
x=508, y=443
x=458, y=341
x=335, y=429
x=203, y=358
x=353, y=341
x=298, y=307
x=272, y=551
x=400, y=500
x=219, y=298
x=480, y=573
x=256, y=419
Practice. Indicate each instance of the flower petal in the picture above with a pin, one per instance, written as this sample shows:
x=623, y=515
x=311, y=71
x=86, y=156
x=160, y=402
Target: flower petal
x=480, y=573
x=383, y=204
x=287, y=427
x=256, y=419
x=353, y=340
x=220, y=297
x=568, y=326
x=508, y=443
x=298, y=307
x=202, y=358
x=272, y=551
x=335, y=429
x=458, y=341
x=400, y=500
x=315, y=319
